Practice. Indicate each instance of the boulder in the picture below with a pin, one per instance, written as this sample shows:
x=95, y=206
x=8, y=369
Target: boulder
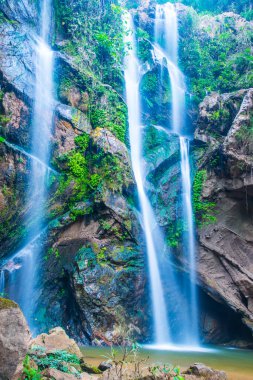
x=104, y=366
x=202, y=371
x=14, y=339
x=57, y=339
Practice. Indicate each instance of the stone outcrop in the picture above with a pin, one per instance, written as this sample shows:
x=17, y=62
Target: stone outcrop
x=225, y=258
x=56, y=339
x=14, y=339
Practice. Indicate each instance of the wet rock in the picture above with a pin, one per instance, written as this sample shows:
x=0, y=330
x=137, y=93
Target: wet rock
x=18, y=119
x=163, y=174
x=218, y=111
x=17, y=58
x=106, y=141
x=23, y=11
x=14, y=171
x=57, y=339
x=75, y=117
x=14, y=339
x=105, y=366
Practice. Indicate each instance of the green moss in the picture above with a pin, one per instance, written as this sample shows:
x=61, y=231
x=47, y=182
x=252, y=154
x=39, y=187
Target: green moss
x=174, y=233
x=82, y=142
x=7, y=304
x=204, y=210
x=113, y=118
x=89, y=368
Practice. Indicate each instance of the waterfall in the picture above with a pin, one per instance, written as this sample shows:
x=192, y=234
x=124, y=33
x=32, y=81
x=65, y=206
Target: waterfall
x=154, y=242
x=22, y=266
x=165, y=50
x=190, y=237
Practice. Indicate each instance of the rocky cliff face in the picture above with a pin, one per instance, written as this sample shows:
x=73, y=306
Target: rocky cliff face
x=225, y=256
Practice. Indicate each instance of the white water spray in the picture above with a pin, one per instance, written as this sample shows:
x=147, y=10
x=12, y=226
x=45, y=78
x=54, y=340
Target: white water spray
x=153, y=241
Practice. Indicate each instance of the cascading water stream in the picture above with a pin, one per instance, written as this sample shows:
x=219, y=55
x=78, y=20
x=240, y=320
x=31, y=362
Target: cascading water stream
x=190, y=238
x=21, y=268
x=166, y=49
x=153, y=241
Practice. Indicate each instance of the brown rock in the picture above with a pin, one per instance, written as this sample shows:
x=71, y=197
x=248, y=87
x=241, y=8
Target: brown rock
x=57, y=339
x=65, y=136
x=202, y=371
x=225, y=254
x=15, y=109
x=55, y=374
x=14, y=339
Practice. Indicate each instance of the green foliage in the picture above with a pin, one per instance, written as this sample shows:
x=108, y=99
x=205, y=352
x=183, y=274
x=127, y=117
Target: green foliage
x=52, y=252
x=88, y=25
x=166, y=372
x=86, y=173
x=174, y=233
x=82, y=141
x=57, y=359
x=215, y=62
x=113, y=118
x=29, y=372
x=2, y=139
x=4, y=120
x=203, y=209
x=218, y=6
x=144, y=47
x=77, y=165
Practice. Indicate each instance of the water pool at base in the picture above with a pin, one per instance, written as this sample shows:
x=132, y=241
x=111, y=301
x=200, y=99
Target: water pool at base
x=238, y=364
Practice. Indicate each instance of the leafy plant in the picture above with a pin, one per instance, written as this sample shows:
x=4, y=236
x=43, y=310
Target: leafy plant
x=166, y=372
x=30, y=373
x=57, y=359
x=204, y=210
